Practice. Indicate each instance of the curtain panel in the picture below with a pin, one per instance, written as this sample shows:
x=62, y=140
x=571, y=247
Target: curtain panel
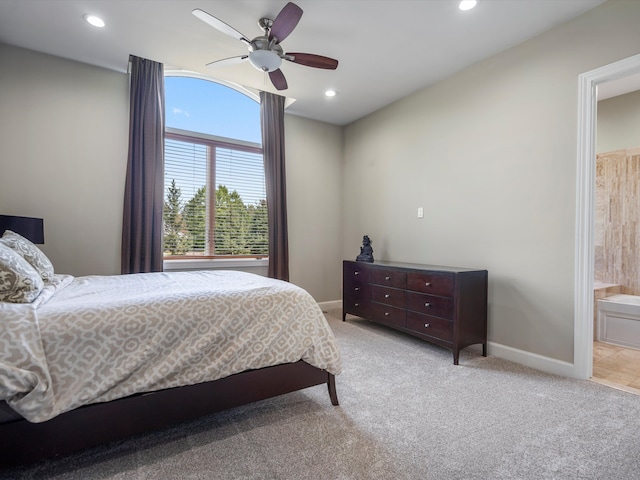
x=144, y=188
x=272, y=124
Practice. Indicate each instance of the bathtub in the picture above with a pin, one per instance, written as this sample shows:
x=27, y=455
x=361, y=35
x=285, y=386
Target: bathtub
x=619, y=320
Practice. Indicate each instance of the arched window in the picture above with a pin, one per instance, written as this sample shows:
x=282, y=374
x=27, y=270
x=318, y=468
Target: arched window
x=215, y=201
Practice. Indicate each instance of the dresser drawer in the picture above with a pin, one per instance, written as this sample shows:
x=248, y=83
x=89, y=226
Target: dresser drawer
x=431, y=326
x=388, y=296
x=355, y=306
x=356, y=272
x=387, y=314
x=389, y=278
x=431, y=283
x=357, y=290
x=430, y=304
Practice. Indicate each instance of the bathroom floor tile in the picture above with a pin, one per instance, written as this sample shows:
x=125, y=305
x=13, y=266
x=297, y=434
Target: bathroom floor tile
x=612, y=375
x=602, y=351
x=631, y=355
x=619, y=366
x=615, y=365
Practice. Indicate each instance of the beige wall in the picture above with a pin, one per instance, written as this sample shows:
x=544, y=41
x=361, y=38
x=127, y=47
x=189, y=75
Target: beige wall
x=63, y=141
x=618, y=123
x=63, y=154
x=490, y=154
x=314, y=204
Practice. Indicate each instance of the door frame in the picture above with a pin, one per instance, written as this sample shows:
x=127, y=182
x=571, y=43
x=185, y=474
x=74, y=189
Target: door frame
x=585, y=194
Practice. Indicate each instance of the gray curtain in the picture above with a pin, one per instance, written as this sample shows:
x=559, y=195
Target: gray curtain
x=144, y=188
x=272, y=122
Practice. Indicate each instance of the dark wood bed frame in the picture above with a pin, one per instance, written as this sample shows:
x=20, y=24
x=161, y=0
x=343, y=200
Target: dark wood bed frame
x=24, y=442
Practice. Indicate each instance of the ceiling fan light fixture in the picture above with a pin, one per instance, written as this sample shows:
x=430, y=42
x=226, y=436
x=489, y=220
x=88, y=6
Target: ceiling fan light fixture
x=265, y=60
x=467, y=4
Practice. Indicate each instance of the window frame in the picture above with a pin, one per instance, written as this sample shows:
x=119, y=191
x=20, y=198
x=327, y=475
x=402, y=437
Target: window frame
x=222, y=261
x=213, y=141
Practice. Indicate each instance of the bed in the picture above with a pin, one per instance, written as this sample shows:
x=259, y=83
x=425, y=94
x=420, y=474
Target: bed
x=98, y=358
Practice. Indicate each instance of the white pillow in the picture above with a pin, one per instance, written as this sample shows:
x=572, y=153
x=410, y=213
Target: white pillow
x=32, y=254
x=19, y=281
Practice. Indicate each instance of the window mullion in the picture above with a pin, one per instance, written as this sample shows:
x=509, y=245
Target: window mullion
x=211, y=200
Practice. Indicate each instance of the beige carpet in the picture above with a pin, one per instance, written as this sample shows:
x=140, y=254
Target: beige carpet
x=406, y=412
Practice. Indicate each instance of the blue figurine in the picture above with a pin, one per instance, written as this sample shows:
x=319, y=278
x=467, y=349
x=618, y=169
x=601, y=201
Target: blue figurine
x=366, y=252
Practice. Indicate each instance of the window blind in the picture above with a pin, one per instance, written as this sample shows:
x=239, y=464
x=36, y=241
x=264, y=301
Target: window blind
x=215, y=198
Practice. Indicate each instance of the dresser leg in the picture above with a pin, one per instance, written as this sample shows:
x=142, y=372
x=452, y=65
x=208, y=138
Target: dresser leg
x=344, y=316
x=456, y=356
x=484, y=349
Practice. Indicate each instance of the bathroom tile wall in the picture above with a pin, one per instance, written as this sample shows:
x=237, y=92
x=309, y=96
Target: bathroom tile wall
x=617, y=219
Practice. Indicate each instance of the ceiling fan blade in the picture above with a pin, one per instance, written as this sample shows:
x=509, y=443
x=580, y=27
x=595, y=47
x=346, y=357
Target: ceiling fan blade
x=311, y=60
x=220, y=25
x=278, y=80
x=285, y=22
x=225, y=62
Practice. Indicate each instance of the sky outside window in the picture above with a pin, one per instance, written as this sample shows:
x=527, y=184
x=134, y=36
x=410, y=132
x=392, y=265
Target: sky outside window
x=207, y=107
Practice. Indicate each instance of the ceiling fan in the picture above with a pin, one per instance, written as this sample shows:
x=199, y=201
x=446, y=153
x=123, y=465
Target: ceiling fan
x=265, y=52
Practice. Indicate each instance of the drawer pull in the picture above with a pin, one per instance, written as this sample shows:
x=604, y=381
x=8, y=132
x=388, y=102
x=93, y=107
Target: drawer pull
x=427, y=284
x=387, y=278
x=427, y=304
x=357, y=289
x=356, y=305
x=386, y=314
x=386, y=295
x=356, y=273
x=427, y=325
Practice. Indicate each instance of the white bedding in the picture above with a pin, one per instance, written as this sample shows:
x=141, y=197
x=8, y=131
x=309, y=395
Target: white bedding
x=98, y=338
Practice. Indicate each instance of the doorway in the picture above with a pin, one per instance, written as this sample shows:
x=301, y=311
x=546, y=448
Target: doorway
x=585, y=195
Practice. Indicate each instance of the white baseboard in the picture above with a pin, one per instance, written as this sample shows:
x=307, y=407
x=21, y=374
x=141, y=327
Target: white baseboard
x=533, y=360
x=528, y=359
x=331, y=305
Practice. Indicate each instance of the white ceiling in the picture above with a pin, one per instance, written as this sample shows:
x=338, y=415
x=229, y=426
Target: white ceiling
x=387, y=49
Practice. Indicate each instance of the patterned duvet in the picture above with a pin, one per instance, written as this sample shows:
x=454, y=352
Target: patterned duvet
x=97, y=338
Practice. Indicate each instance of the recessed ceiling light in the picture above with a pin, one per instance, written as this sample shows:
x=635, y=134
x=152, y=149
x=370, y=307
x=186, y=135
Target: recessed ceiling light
x=93, y=20
x=467, y=4
x=330, y=93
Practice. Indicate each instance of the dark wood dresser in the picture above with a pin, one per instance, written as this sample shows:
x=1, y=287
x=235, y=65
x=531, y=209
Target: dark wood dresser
x=442, y=305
